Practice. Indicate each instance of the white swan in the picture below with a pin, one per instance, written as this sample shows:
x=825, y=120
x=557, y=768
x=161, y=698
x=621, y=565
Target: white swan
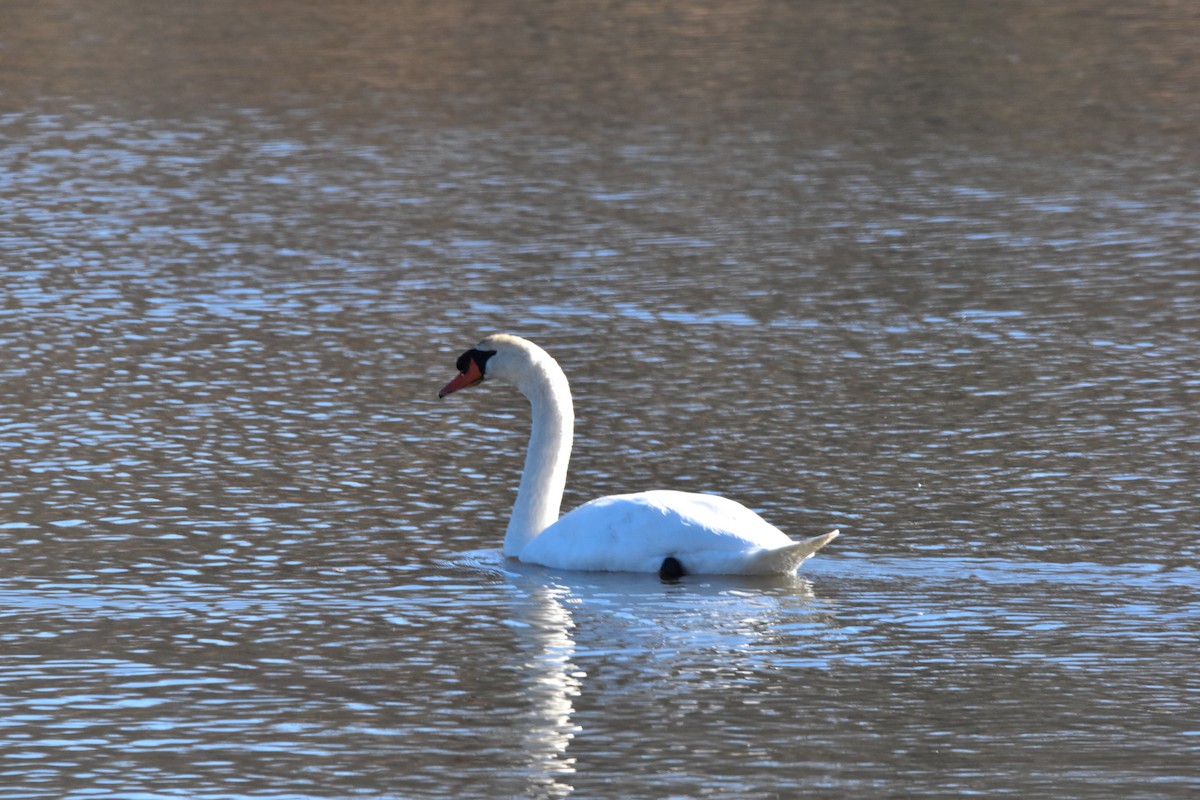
x=669, y=532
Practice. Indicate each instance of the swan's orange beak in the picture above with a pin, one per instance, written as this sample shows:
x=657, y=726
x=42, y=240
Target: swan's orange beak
x=469, y=377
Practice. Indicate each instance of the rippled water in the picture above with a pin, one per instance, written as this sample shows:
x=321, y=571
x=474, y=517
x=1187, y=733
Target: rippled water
x=912, y=278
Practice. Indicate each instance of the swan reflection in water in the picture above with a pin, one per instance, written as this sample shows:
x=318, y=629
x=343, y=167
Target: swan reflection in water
x=554, y=683
x=660, y=639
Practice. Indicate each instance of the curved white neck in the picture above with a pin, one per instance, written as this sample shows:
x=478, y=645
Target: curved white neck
x=545, y=476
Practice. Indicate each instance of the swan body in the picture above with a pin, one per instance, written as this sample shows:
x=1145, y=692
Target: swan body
x=664, y=531
x=706, y=534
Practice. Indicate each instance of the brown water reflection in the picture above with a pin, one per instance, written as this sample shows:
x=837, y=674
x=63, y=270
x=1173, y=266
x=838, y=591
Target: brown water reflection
x=1056, y=76
x=924, y=272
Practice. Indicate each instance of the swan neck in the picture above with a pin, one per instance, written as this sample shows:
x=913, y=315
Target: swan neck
x=545, y=475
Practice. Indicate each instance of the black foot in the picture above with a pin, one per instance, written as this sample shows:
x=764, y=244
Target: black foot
x=671, y=569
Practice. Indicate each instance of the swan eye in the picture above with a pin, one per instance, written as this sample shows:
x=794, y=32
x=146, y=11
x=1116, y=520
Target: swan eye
x=478, y=357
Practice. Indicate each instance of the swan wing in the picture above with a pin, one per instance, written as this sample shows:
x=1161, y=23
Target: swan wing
x=635, y=532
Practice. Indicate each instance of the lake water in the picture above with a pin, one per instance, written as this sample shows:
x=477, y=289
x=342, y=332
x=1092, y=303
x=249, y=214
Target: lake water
x=927, y=273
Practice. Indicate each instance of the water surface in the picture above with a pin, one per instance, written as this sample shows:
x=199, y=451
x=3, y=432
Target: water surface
x=927, y=275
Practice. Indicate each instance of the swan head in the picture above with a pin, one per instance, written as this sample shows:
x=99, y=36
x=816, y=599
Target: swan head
x=500, y=357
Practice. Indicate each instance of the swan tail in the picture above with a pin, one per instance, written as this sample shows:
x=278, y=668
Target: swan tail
x=787, y=559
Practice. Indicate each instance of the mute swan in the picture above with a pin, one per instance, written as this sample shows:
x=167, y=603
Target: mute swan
x=669, y=532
